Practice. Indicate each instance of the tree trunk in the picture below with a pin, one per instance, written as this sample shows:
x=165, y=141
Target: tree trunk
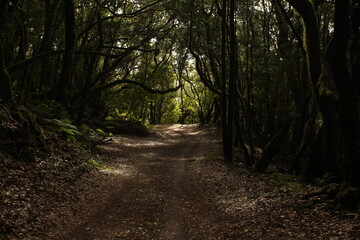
x=315, y=164
x=355, y=46
x=67, y=64
x=349, y=97
x=232, y=82
x=307, y=137
x=224, y=122
x=51, y=20
x=239, y=140
x=272, y=148
x=6, y=91
x=321, y=85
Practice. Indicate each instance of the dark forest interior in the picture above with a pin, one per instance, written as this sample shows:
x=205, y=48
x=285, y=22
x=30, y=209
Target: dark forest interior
x=276, y=82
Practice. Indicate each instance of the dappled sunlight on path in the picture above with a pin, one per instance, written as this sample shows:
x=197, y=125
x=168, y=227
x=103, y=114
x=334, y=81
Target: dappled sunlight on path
x=152, y=190
x=171, y=186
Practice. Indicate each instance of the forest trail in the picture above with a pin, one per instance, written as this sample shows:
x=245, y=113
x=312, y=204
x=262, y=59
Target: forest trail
x=153, y=190
x=170, y=186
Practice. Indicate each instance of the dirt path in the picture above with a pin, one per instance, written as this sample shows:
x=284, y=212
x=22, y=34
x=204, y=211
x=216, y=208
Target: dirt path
x=169, y=186
x=153, y=190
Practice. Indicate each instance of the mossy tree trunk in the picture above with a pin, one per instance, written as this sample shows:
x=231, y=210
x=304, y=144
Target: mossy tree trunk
x=6, y=91
x=347, y=90
x=302, y=131
x=338, y=105
x=328, y=103
x=321, y=82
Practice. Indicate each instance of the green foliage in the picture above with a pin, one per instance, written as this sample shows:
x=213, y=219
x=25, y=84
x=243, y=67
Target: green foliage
x=100, y=131
x=30, y=123
x=69, y=131
x=123, y=126
x=283, y=184
x=116, y=123
x=49, y=108
x=95, y=164
x=172, y=112
x=152, y=48
x=69, y=134
x=21, y=134
x=103, y=133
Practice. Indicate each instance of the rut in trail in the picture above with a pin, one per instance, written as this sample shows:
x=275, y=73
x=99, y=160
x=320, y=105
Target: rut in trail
x=154, y=190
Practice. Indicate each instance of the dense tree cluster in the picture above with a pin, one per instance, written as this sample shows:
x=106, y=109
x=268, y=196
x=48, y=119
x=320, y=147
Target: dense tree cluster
x=279, y=75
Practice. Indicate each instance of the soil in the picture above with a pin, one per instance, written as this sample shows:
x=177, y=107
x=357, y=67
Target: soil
x=173, y=185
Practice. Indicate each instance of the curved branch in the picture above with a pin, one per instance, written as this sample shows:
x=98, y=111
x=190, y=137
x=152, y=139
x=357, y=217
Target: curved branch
x=199, y=70
x=29, y=61
x=292, y=27
x=115, y=15
x=312, y=42
x=202, y=75
x=113, y=55
x=143, y=86
x=125, y=81
x=32, y=60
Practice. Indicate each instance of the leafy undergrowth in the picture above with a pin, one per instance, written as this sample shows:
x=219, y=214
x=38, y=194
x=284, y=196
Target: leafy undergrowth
x=30, y=192
x=40, y=161
x=122, y=126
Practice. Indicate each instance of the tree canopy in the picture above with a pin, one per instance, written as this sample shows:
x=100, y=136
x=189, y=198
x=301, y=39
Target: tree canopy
x=280, y=77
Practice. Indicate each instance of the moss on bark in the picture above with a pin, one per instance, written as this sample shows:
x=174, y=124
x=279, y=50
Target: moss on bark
x=348, y=198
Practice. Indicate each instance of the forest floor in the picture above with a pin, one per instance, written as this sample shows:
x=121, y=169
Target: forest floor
x=172, y=185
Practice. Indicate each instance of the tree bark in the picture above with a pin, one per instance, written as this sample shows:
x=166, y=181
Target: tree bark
x=321, y=81
x=224, y=122
x=51, y=20
x=311, y=41
x=349, y=98
x=67, y=63
x=6, y=91
x=232, y=82
x=272, y=147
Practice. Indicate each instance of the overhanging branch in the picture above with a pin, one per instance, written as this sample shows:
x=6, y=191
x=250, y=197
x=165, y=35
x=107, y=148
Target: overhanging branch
x=143, y=86
x=125, y=81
